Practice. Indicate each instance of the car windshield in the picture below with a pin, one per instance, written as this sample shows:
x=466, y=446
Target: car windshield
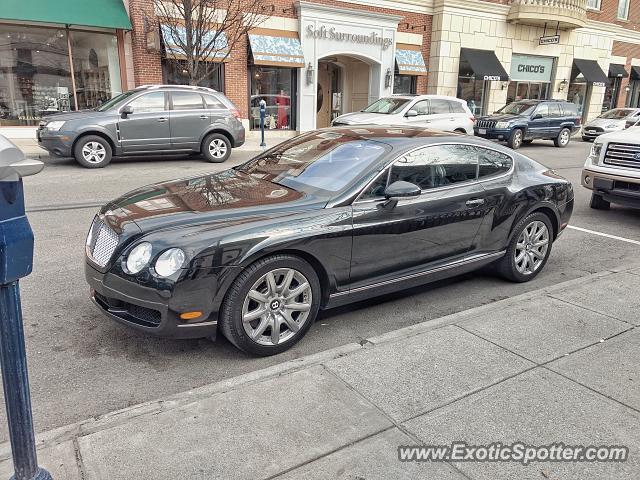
x=115, y=100
x=518, y=108
x=387, y=105
x=318, y=163
x=617, y=113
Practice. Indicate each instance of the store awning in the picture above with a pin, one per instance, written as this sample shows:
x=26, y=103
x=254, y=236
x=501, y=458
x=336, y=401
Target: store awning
x=409, y=60
x=485, y=64
x=617, y=70
x=105, y=13
x=276, y=47
x=590, y=70
x=635, y=72
x=174, y=37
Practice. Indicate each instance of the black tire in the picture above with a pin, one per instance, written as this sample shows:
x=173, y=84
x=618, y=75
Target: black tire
x=527, y=142
x=599, y=203
x=506, y=266
x=460, y=130
x=97, y=155
x=563, y=138
x=231, y=323
x=216, y=148
x=515, y=139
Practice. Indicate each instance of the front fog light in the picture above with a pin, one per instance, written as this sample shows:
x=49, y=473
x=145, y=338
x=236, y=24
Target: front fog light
x=139, y=257
x=170, y=262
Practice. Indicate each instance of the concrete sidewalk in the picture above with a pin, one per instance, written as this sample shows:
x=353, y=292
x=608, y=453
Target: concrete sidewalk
x=561, y=364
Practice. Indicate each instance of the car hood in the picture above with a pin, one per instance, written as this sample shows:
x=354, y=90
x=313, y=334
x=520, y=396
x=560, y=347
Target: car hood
x=501, y=117
x=630, y=135
x=603, y=122
x=81, y=115
x=217, y=199
x=365, y=118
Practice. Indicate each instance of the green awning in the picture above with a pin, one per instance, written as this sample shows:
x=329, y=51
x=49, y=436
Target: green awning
x=88, y=13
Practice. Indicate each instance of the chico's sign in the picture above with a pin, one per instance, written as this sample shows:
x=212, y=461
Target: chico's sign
x=530, y=68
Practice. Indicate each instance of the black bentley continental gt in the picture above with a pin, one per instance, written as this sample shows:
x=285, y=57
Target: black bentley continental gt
x=327, y=218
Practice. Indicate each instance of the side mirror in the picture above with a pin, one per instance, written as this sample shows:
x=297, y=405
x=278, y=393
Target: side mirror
x=537, y=116
x=126, y=110
x=13, y=163
x=411, y=113
x=400, y=189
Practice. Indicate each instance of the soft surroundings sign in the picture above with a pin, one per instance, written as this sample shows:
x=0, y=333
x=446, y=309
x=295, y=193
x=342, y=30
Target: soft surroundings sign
x=332, y=33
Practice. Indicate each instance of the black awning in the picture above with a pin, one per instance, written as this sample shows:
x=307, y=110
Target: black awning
x=590, y=70
x=635, y=72
x=484, y=64
x=617, y=70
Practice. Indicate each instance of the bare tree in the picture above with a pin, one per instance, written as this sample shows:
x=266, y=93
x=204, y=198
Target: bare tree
x=200, y=34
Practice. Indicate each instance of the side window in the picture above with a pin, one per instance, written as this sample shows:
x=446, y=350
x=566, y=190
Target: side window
x=492, y=163
x=422, y=107
x=456, y=107
x=543, y=109
x=554, y=110
x=212, y=102
x=437, y=166
x=376, y=189
x=186, y=100
x=148, y=103
x=570, y=109
x=439, y=106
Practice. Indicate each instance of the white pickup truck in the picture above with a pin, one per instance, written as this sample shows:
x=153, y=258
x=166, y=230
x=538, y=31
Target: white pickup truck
x=612, y=169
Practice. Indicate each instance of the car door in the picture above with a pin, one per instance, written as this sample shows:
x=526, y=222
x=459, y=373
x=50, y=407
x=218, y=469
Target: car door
x=421, y=107
x=557, y=120
x=539, y=122
x=147, y=128
x=189, y=119
x=440, y=115
x=437, y=227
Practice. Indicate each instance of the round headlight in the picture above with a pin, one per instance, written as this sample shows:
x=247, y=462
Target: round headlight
x=139, y=257
x=170, y=262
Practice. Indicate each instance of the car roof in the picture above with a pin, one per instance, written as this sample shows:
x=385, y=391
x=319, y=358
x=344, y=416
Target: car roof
x=176, y=87
x=426, y=97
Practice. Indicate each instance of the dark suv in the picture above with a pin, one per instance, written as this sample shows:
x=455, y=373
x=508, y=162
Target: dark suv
x=527, y=120
x=153, y=119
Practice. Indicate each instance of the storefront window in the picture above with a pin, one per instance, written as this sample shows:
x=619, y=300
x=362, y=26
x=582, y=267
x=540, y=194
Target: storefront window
x=175, y=73
x=96, y=68
x=577, y=94
x=633, y=96
x=611, y=94
x=35, y=78
x=276, y=86
x=472, y=90
x=404, y=84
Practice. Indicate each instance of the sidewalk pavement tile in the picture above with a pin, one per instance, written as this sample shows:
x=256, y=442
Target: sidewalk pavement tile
x=543, y=328
x=252, y=432
x=611, y=367
x=614, y=295
x=59, y=460
x=426, y=371
x=375, y=458
x=537, y=408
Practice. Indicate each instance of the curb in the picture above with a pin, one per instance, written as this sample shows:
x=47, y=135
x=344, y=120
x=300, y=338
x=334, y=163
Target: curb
x=112, y=419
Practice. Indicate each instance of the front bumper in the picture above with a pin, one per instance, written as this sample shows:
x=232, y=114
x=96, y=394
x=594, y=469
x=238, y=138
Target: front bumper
x=144, y=308
x=492, y=134
x=613, y=188
x=57, y=143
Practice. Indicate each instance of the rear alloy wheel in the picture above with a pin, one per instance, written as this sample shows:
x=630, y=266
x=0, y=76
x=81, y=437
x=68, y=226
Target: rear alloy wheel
x=563, y=138
x=216, y=148
x=92, y=152
x=599, y=203
x=271, y=305
x=515, y=139
x=528, y=250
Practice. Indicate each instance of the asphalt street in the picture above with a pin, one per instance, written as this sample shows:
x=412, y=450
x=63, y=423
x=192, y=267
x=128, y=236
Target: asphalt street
x=83, y=364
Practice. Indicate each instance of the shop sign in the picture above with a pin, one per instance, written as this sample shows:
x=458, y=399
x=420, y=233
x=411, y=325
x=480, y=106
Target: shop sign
x=332, y=33
x=528, y=68
x=550, y=40
x=495, y=78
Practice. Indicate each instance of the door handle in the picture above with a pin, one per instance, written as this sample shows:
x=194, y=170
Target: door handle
x=474, y=202
x=204, y=117
x=162, y=119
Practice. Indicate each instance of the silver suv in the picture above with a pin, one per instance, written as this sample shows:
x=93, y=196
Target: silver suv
x=152, y=119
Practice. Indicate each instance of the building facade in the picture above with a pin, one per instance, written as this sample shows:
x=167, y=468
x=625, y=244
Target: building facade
x=312, y=60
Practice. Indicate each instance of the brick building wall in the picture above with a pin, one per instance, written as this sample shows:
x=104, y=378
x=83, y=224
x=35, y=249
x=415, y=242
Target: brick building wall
x=630, y=51
x=146, y=65
x=609, y=13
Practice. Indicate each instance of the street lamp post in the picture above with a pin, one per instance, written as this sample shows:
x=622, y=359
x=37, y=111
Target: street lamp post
x=16, y=261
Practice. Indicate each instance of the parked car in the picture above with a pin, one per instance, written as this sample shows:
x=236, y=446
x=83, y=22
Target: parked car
x=434, y=111
x=154, y=120
x=527, y=120
x=632, y=122
x=612, y=170
x=611, y=121
x=324, y=219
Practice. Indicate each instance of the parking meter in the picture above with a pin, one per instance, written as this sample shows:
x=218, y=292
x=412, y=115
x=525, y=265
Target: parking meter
x=16, y=262
x=263, y=113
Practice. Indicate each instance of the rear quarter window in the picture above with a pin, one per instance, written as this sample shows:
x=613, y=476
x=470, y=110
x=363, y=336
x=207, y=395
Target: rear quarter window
x=456, y=107
x=570, y=110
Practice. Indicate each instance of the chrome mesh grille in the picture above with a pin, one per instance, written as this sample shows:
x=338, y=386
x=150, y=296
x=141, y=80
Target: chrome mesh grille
x=101, y=243
x=486, y=123
x=623, y=155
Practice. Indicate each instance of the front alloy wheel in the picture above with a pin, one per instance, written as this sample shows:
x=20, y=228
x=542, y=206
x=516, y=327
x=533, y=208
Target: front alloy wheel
x=515, y=139
x=531, y=248
x=92, y=151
